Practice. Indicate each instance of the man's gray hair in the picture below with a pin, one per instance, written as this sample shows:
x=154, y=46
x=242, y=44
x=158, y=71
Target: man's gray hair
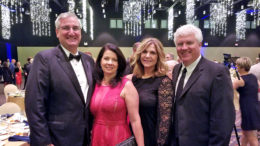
x=187, y=30
x=66, y=15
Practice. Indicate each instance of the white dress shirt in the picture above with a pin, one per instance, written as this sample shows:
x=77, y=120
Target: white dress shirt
x=189, y=69
x=80, y=73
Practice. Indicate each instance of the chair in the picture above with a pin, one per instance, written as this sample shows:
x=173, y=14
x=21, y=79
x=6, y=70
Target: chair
x=9, y=88
x=9, y=108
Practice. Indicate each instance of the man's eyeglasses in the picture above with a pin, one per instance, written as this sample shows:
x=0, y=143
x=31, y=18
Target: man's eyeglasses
x=67, y=28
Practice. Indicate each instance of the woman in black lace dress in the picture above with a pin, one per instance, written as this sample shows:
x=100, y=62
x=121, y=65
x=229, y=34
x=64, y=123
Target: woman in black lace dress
x=149, y=70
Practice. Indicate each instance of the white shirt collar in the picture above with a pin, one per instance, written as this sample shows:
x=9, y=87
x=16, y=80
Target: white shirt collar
x=192, y=66
x=67, y=52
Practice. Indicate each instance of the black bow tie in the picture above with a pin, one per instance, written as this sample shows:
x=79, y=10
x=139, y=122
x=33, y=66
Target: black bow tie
x=77, y=57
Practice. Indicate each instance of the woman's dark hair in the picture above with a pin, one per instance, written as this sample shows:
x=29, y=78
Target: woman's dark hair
x=99, y=75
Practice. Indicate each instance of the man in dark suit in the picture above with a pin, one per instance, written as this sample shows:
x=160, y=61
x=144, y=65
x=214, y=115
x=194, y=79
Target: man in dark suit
x=26, y=69
x=203, y=111
x=59, y=89
x=12, y=67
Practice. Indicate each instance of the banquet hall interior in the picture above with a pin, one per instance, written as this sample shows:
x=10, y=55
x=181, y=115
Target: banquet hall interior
x=231, y=29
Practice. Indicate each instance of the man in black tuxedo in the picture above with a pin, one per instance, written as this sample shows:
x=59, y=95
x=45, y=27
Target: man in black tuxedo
x=59, y=89
x=203, y=111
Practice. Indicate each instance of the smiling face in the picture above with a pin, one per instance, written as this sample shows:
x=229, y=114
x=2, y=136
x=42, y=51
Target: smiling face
x=109, y=63
x=188, y=48
x=69, y=33
x=149, y=57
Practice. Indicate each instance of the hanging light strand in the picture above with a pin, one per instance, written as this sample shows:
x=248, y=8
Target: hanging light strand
x=6, y=23
x=147, y=8
x=71, y=5
x=228, y=6
x=132, y=17
x=190, y=4
x=256, y=5
x=11, y=14
x=170, y=23
x=91, y=23
x=39, y=13
x=241, y=25
x=84, y=16
x=218, y=19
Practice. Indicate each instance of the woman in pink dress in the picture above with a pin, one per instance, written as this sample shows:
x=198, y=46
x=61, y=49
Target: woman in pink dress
x=114, y=98
x=18, y=75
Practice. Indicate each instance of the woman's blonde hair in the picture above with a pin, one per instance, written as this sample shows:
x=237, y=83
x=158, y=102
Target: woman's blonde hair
x=244, y=62
x=160, y=67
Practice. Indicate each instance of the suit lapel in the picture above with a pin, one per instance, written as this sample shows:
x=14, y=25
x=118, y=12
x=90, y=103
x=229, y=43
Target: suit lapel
x=194, y=76
x=66, y=66
x=88, y=72
x=175, y=75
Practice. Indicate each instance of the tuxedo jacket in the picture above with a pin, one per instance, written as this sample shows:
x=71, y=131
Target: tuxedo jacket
x=54, y=102
x=205, y=107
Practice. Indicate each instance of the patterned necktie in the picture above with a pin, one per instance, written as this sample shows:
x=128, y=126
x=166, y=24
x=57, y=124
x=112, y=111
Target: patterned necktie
x=77, y=57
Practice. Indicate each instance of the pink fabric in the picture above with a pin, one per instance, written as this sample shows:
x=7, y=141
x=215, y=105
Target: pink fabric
x=110, y=115
x=18, y=77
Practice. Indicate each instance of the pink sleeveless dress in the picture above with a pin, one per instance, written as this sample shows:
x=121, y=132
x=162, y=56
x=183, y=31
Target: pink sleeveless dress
x=110, y=115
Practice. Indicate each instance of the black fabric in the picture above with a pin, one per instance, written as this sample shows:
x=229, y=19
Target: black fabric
x=62, y=115
x=249, y=105
x=180, y=85
x=129, y=142
x=77, y=57
x=148, y=101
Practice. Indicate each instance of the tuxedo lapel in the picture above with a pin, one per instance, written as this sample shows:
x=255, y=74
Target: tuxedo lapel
x=194, y=76
x=88, y=72
x=67, y=68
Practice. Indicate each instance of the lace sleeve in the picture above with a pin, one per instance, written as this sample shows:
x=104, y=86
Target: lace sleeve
x=165, y=94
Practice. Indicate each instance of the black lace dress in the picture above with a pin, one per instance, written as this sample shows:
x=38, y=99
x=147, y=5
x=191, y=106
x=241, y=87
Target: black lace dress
x=148, y=100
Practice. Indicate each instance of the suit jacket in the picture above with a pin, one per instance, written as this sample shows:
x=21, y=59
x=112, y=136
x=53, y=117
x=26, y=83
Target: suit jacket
x=7, y=75
x=55, y=106
x=205, y=108
x=27, y=68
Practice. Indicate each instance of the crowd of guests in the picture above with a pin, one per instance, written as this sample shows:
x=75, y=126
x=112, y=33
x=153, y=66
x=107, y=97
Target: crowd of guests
x=72, y=100
x=12, y=72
